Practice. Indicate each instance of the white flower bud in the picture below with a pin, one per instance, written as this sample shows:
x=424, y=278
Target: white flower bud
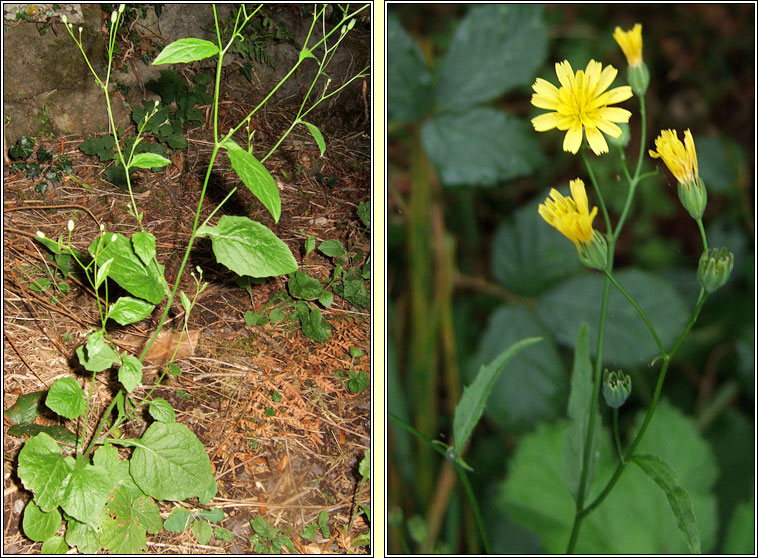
x=102, y=227
x=64, y=19
x=40, y=234
x=70, y=225
x=113, y=237
x=121, y=8
x=113, y=16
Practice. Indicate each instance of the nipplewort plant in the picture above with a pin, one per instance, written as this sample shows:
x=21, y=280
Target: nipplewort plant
x=641, y=483
x=108, y=498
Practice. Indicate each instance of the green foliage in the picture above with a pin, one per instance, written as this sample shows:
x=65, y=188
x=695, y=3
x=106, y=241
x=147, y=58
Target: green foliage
x=536, y=492
x=534, y=386
x=267, y=539
x=469, y=409
x=51, y=169
x=628, y=340
x=255, y=39
x=248, y=247
x=471, y=144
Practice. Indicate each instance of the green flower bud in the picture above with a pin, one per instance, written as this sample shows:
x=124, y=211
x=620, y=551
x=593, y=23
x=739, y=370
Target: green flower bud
x=638, y=78
x=616, y=387
x=714, y=268
x=623, y=139
x=594, y=253
x=693, y=196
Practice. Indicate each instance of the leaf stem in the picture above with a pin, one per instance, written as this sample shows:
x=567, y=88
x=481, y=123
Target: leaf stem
x=633, y=302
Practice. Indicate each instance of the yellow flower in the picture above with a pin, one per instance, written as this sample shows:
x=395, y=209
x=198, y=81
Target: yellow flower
x=581, y=103
x=571, y=216
x=681, y=159
x=631, y=43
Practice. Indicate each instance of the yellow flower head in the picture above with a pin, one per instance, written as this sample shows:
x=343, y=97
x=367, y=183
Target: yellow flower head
x=681, y=159
x=631, y=43
x=571, y=216
x=581, y=103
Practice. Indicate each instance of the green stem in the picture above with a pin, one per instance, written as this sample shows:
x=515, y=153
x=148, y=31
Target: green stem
x=475, y=508
x=702, y=234
x=616, y=435
x=623, y=291
x=651, y=410
x=461, y=471
x=643, y=131
x=601, y=202
x=586, y=454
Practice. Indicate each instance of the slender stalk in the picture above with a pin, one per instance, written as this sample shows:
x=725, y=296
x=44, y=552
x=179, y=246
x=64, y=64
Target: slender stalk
x=702, y=234
x=641, y=312
x=616, y=435
x=651, y=410
x=474, y=508
x=601, y=202
x=586, y=455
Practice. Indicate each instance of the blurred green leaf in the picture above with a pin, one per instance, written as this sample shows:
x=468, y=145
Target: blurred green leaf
x=481, y=146
x=579, y=404
x=495, y=48
x=303, y=286
x=627, y=339
x=635, y=518
x=720, y=162
x=740, y=534
x=409, y=82
x=469, y=409
x=528, y=255
x=534, y=385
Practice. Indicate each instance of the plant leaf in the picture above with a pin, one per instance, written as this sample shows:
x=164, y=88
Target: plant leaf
x=170, y=463
x=39, y=525
x=161, y=410
x=130, y=372
x=495, y=48
x=579, y=404
x=678, y=499
x=186, y=50
x=304, y=287
x=316, y=133
x=26, y=408
x=469, y=409
x=332, y=248
x=480, y=146
x=142, y=280
x=82, y=536
x=42, y=469
x=249, y=248
x=627, y=339
x=85, y=491
x=129, y=310
x=256, y=177
x=409, y=81
x=66, y=398
x=144, y=246
x=149, y=161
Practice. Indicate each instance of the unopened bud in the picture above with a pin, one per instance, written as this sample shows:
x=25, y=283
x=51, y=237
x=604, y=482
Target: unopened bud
x=616, y=387
x=714, y=268
x=638, y=78
x=693, y=196
x=70, y=225
x=594, y=253
x=40, y=234
x=64, y=19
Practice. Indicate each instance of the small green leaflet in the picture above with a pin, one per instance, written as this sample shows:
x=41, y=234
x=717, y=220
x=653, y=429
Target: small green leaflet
x=679, y=501
x=149, y=161
x=316, y=133
x=186, y=50
x=471, y=406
